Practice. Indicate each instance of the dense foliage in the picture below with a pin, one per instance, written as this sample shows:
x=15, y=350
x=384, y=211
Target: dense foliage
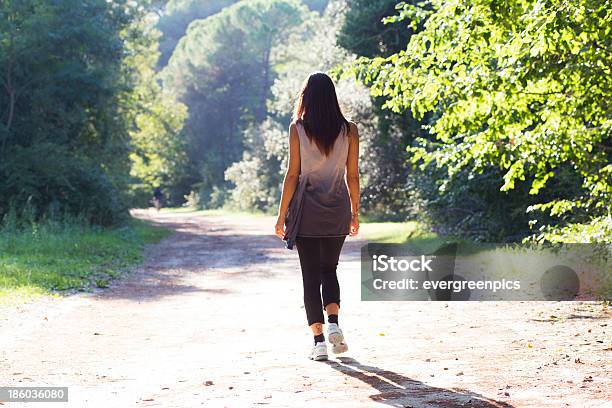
x=517, y=89
x=176, y=17
x=365, y=33
x=62, y=134
x=78, y=99
x=157, y=142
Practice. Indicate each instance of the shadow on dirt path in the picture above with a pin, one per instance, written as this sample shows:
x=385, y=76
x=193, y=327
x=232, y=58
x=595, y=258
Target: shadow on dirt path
x=393, y=386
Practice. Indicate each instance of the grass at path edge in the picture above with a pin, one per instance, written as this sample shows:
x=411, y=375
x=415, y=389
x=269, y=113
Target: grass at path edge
x=48, y=258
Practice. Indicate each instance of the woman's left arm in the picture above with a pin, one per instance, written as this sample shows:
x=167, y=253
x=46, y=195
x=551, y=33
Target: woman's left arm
x=352, y=177
x=291, y=180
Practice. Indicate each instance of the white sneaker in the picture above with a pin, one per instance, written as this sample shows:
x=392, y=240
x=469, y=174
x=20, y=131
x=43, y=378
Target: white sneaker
x=319, y=352
x=336, y=338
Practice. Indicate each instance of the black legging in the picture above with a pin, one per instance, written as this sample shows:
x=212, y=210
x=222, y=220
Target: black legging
x=319, y=259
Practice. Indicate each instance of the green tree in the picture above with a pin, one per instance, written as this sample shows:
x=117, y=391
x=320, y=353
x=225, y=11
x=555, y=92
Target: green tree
x=63, y=139
x=518, y=86
x=157, y=142
x=222, y=71
x=364, y=33
x=176, y=17
x=178, y=14
x=78, y=98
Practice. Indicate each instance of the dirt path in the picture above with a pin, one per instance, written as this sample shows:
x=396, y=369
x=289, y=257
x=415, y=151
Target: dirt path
x=215, y=318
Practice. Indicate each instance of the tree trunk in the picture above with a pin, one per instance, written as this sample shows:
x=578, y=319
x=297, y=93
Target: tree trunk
x=10, y=90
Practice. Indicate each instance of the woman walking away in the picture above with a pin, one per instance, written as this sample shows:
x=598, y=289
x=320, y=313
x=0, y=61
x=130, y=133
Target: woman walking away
x=318, y=210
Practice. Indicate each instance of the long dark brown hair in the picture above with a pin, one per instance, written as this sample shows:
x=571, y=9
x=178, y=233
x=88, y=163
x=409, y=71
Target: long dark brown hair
x=317, y=109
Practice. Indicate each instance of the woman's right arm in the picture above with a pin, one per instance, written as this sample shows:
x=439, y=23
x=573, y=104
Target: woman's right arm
x=291, y=180
x=352, y=177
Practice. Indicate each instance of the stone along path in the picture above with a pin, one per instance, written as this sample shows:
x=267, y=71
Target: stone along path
x=214, y=318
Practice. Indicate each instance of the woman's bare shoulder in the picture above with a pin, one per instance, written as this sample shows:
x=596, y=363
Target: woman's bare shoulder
x=352, y=129
x=293, y=132
x=293, y=127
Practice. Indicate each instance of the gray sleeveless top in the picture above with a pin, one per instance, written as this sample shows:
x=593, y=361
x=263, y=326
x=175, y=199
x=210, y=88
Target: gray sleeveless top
x=320, y=206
